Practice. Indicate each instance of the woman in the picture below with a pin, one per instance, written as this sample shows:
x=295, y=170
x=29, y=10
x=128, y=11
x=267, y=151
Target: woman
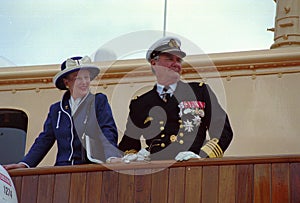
x=79, y=117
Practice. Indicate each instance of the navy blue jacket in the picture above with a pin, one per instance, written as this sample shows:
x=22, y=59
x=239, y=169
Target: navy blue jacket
x=180, y=124
x=59, y=127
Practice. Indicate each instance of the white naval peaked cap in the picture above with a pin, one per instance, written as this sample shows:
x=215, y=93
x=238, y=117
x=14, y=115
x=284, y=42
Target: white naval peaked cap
x=165, y=45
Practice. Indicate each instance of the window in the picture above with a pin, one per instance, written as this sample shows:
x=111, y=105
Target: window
x=13, y=130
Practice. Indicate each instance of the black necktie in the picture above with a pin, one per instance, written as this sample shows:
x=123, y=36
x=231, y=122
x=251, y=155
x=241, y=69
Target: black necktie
x=165, y=96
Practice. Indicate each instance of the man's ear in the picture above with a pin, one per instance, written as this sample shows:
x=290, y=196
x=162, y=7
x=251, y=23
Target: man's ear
x=152, y=62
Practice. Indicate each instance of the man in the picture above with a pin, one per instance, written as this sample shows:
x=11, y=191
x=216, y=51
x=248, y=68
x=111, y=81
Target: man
x=175, y=117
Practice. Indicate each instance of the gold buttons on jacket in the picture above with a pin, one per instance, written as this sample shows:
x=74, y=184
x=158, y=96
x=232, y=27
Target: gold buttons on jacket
x=162, y=125
x=173, y=138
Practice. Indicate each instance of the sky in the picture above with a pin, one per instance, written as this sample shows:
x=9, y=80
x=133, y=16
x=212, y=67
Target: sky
x=40, y=32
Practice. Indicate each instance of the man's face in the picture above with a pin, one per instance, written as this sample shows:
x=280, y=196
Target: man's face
x=167, y=68
x=78, y=83
x=170, y=61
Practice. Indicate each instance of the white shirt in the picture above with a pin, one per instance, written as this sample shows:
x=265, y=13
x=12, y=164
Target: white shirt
x=170, y=91
x=74, y=103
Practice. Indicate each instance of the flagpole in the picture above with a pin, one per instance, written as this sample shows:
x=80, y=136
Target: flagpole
x=165, y=18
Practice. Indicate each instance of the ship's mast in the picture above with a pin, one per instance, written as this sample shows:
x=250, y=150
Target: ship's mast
x=287, y=24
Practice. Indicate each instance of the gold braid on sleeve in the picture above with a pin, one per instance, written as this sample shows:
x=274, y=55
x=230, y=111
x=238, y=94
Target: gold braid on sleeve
x=131, y=151
x=212, y=149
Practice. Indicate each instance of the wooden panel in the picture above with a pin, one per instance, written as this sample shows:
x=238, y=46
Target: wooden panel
x=244, y=193
x=126, y=186
x=295, y=182
x=110, y=180
x=176, y=185
x=193, y=184
x=45, y=188
x=29, y=189
x=227, y=184
x=157, y=164
x=210, y=181
x=280, y=183
x=159, y=187
x=78, y=187
x=262, y=183
x=143, y=185
x=263, y=179
x=18, y=185
x=93, y=187
x=62, y=187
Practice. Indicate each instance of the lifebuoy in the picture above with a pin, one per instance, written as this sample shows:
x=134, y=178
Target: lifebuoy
x=7, y=189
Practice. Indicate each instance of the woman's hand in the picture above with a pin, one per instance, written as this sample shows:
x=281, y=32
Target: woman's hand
x=14, y=166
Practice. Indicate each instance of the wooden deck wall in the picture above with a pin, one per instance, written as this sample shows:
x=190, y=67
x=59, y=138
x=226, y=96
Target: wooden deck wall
x=249, y=179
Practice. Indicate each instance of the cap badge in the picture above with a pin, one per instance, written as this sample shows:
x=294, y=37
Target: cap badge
x=173, y=43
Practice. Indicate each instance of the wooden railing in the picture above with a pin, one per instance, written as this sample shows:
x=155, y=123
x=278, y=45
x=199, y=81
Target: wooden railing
x=231, y=179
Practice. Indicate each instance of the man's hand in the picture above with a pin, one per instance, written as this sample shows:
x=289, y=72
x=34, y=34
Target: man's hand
x=186, y=155
x=142, y=155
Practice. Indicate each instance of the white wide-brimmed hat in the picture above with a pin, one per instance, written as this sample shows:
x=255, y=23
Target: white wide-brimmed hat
x=165, y=45
x=74, y=64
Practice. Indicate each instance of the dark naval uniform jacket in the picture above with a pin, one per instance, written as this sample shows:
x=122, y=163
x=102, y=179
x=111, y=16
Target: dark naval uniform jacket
x=180, y=124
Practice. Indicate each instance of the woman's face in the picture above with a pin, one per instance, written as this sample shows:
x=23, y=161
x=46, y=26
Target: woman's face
x=78, y=83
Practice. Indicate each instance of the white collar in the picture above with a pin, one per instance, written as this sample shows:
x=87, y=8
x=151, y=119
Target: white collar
x=74, y=103
x=171, y=89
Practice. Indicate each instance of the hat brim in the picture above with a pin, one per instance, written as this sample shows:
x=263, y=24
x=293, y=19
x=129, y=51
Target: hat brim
x=175, y=51
x=58, y=78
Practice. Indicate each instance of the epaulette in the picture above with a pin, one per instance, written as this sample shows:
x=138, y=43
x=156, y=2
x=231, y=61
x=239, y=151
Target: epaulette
x=135, y=97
